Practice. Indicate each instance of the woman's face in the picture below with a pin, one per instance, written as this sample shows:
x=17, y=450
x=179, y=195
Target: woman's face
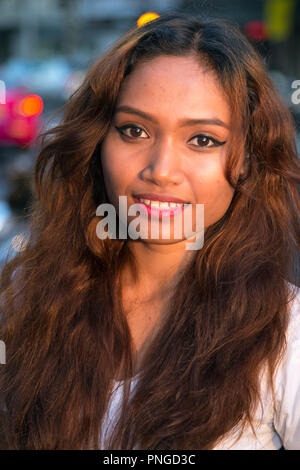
x=168, y=136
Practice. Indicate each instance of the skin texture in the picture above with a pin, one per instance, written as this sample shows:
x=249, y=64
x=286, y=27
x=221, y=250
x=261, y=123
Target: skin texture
x=164, y=157
x=167, y=158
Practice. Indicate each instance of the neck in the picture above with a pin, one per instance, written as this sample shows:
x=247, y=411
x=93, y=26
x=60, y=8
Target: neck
x=156, y=264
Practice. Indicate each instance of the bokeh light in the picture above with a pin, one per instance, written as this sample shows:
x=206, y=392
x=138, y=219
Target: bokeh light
x=146, y=17
x=31, y=105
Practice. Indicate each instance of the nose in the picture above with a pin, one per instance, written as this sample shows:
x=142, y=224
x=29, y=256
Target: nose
x=164, y=164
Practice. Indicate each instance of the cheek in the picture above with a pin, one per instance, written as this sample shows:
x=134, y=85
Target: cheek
x=213, y=190
x=117, y=172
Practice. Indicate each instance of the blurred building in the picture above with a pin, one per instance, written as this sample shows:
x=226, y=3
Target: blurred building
x=279, y=20
x=81, y=29
x=73, y=28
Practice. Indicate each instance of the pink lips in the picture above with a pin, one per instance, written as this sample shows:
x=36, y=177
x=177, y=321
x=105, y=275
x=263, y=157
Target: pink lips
x=157, y=212
x=159, y=197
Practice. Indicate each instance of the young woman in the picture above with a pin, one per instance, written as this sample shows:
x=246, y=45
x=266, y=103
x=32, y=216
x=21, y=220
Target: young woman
x=143, y=343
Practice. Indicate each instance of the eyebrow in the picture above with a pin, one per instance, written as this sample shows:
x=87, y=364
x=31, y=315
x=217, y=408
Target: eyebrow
x=183, y=122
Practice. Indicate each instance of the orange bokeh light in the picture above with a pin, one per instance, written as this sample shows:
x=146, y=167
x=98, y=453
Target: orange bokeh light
x=146, y=17
x=31, y=105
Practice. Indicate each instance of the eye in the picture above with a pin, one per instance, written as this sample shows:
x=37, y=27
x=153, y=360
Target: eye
x=205, y=139
x=137, y=131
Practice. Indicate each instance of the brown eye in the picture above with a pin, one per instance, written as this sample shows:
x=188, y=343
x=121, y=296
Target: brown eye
x=132, y=131
x=203, y=141
x=135, y=131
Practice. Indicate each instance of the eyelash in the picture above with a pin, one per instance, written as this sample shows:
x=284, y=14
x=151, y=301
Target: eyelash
x=216, y=142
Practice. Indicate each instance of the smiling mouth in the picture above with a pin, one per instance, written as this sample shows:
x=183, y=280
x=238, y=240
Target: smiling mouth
x=161, y=208
x=160, y=204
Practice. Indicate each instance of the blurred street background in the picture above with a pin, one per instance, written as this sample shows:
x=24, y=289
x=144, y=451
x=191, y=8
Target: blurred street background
x=46, y=47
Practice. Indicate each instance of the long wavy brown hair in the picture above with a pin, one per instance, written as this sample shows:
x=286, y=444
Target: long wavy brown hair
x=63, y=324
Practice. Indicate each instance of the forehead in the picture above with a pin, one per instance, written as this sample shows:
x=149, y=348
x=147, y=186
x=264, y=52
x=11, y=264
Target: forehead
x=172, y=87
